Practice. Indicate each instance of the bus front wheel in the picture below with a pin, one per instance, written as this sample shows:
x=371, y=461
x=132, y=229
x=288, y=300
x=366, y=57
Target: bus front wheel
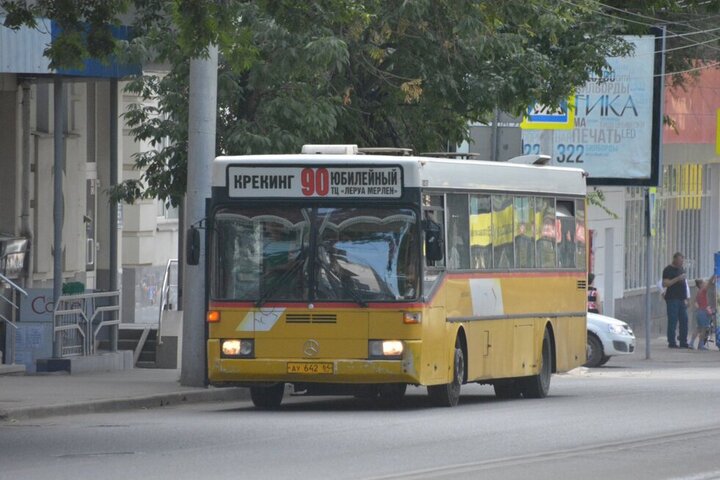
x=538, y=386
x=267, y=397
x=448, y=395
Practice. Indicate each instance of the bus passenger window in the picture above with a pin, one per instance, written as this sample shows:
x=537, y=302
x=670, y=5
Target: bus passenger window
x=502, y=231
x=580, y=233
x=545, y=232
x=458, y=232
x=433, y=227
x=480, y=232
x=566, y=233
x=524, y=231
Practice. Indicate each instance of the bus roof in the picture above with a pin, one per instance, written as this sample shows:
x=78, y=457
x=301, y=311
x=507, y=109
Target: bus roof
x=431, y=173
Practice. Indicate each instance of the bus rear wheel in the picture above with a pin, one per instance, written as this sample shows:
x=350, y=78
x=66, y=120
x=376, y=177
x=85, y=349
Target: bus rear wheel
x=267, y=397
x=538, y=386
x=448, y=395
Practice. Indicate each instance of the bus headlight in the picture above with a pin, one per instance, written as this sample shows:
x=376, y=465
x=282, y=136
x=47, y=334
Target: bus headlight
x=386, y=349
x=242, y=348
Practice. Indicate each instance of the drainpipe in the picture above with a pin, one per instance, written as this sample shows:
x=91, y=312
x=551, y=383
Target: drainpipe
x=25, y=223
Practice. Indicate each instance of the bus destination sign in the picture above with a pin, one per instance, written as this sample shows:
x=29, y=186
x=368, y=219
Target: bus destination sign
x=314, y=182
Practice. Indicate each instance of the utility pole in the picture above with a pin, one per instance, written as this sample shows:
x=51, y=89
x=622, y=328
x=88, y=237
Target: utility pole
x=650, y=193
x=59, y=113
x=201, y=152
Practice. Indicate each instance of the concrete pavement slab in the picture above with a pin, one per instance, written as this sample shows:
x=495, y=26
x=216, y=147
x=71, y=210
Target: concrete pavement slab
x=42, y=395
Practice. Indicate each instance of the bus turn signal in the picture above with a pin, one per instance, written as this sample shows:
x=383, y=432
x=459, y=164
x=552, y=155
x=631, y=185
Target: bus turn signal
x=213, y=316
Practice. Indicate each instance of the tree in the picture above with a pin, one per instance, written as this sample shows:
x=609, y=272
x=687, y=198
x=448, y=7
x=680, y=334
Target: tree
x=372, y=72
x=85, y=26
x=693, y=43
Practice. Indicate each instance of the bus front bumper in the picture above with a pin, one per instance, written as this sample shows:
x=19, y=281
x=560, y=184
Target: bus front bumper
x=353, y=371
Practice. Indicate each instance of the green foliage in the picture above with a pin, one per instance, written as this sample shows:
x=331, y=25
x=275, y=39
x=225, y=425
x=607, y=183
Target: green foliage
x=376, y=73
x=597, y=197
x=692, y=44
x=390, y=73
x=85, y=27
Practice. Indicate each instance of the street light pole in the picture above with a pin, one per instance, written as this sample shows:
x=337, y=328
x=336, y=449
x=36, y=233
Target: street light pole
x=201, y=152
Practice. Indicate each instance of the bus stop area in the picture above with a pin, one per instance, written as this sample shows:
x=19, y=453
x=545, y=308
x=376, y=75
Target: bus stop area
x=59, y=393
x=43, y=395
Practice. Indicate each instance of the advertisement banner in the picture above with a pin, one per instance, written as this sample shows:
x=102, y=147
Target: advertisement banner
x=616, y=123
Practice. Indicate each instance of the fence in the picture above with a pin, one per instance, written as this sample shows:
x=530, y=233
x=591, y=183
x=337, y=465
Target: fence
x=14, y=290
x=78, y=319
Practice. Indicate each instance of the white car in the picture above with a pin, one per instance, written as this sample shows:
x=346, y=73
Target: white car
x=606, y=337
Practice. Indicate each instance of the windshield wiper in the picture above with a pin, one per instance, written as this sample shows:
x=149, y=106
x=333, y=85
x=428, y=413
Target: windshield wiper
x=355, y=295
x=299, y=261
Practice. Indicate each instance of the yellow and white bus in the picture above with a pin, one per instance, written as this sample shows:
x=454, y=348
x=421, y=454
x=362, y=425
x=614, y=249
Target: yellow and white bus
x=347, y=273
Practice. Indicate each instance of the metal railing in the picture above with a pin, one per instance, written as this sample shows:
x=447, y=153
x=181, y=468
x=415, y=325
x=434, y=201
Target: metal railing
x=8, y=321
x=78, y=319
x=168, y=295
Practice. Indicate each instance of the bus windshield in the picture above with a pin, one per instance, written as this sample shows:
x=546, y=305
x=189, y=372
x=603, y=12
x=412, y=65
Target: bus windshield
x=358, y=254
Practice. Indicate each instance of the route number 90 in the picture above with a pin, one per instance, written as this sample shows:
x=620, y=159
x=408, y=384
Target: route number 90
x=315, y=182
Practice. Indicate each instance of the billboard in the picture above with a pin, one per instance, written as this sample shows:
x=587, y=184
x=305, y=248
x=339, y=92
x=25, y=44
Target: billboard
x=615, y=131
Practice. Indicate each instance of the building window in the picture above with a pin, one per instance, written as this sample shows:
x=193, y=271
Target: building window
x=683, y=223
x=165, y=211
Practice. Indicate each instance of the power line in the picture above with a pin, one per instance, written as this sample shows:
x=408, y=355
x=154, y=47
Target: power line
x=678, y=72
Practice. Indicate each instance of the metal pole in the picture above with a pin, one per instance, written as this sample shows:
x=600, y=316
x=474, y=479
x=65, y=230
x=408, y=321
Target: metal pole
x=59, y=113
x=648, y=270
x=113, y=203
x=25, y=223
x=201, y=151
x=495, y=144
x=648, y=212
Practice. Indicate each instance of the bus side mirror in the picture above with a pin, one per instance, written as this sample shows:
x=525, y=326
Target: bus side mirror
x=433, y=241
x=192, y=246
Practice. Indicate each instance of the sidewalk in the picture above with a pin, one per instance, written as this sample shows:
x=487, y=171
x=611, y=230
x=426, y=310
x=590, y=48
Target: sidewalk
x=663, y=357
x=43, y=395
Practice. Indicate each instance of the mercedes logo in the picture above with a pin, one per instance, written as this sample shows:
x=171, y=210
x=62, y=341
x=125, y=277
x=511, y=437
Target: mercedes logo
x=311, y=348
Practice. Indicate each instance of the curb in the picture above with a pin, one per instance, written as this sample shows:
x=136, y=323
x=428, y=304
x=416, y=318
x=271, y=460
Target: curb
x=131, y=403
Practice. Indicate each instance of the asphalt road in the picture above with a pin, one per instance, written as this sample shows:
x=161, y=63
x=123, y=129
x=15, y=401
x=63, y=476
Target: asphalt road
x=615, y=422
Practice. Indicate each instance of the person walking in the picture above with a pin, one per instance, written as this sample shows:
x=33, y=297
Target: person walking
x=593, y=298
x=703, y=313
x=674, y=280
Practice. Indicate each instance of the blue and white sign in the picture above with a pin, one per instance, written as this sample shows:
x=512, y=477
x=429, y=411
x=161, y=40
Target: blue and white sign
x=542, y=117
x=612, y=133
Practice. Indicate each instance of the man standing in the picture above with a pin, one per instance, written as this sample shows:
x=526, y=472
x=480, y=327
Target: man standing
x=676, y=295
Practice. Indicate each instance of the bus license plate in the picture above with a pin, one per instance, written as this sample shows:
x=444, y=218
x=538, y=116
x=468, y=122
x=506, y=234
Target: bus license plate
x=309, y=368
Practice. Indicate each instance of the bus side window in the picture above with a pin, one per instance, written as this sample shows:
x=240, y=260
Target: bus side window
x=433, y=229
x=524, y=231
x=580, y=233
x=502, y=231
x=481, y=254
x=565, y=226
x=458, y=232
x=545, y=232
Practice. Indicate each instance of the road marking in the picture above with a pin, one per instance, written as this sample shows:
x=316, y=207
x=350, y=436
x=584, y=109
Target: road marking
x=551, y=456
x=701, y=476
